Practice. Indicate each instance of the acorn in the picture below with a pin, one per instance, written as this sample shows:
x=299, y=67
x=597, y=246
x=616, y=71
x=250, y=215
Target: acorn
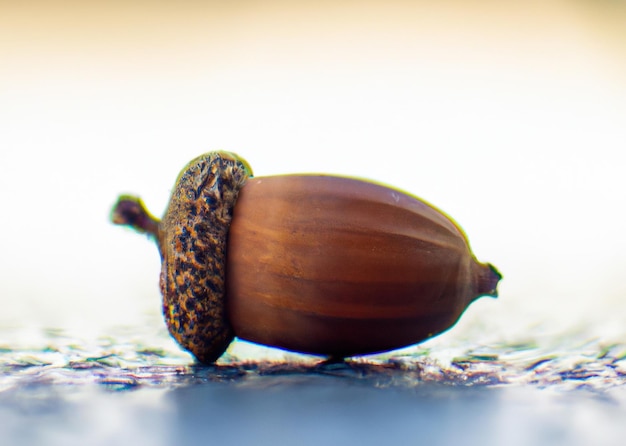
x=317, y=264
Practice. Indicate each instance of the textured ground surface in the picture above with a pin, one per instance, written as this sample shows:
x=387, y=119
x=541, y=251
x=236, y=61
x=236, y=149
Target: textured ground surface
x=132, y=388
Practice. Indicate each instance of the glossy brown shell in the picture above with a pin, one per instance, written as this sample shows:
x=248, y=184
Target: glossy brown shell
x=337, y=266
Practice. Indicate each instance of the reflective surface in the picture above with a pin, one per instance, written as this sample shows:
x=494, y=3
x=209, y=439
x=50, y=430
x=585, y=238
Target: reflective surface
x=135, y=387
x=133, y=359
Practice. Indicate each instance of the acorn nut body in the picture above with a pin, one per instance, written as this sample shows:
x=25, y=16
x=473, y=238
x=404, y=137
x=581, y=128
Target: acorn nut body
x=316, y=264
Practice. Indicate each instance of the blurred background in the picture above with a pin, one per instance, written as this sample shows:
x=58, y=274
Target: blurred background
x=509, y=116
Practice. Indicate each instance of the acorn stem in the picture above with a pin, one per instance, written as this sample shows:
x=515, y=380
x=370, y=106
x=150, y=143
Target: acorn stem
x=487, y=279
x=130, y=211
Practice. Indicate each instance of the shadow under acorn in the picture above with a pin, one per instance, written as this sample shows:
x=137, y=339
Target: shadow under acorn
x=380, y=374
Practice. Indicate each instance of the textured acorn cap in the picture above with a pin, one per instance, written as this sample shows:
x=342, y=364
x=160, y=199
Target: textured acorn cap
x=191, y=239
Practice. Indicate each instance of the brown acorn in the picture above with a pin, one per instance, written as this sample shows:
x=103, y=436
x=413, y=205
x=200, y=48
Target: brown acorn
x=317, y=264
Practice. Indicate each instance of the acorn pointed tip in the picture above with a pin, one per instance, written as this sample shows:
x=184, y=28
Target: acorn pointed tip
x=488, y=279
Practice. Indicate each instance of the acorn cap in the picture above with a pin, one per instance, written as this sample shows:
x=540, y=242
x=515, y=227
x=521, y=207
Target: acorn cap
x=192, y=242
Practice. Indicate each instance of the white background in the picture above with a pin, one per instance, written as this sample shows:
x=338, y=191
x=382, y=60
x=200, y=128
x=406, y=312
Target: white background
x=509, y=116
